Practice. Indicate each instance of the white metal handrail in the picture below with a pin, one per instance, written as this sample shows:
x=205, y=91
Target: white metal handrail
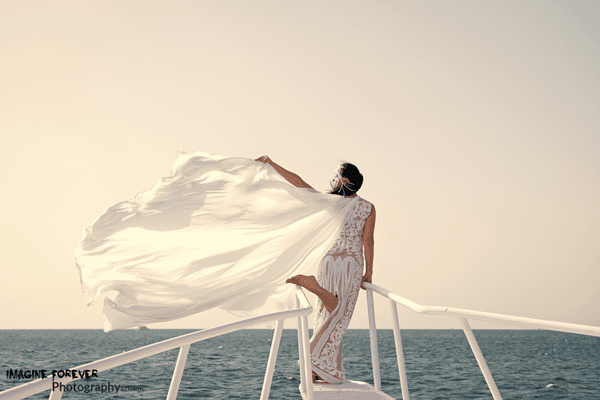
x=301, y=313
x=183, y=342
x=462, y=315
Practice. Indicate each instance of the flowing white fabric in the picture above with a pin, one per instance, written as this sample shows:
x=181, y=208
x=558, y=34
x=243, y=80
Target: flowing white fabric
x=219, y=232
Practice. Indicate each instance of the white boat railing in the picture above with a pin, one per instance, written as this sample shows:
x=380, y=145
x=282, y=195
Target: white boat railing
x=183, y=342
x=301, y=314
x=462, y=315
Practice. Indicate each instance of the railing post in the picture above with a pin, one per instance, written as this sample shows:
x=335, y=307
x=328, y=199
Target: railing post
x=178, y=372
x=480, y=360
x=373, y=337
x=55, y=394
x=301, y=352
x=399, y=352
x=272, y=359
x=308, y=360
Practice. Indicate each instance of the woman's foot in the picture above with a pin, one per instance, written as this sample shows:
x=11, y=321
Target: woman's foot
x=330, y=301
x=316, y=378
x=308, y=282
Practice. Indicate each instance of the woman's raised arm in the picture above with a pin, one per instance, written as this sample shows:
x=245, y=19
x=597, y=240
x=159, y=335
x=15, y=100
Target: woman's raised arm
x=289, y=176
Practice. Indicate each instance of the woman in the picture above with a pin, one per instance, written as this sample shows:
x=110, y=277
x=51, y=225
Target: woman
x=218, y=232
x=340, y=273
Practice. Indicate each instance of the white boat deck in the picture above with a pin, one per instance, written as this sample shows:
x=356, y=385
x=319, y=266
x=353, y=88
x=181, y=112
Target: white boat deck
x=347, y=390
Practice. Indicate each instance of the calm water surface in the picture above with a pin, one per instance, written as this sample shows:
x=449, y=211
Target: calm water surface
x=525, y=364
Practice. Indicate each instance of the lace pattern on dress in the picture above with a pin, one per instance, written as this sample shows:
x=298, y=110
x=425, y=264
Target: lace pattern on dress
x=340, y=272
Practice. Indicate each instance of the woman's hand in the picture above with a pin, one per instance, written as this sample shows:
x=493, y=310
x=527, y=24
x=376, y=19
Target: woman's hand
x=287, y=175
x=367, y=278
x=265, y=159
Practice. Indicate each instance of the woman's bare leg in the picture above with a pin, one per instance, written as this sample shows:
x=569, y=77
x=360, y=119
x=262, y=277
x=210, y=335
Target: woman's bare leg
x=310, y=283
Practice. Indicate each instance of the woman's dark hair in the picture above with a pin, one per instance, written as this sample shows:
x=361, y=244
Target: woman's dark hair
x=355, y=180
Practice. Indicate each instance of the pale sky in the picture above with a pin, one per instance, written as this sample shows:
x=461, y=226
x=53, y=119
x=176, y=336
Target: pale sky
x=475, y=124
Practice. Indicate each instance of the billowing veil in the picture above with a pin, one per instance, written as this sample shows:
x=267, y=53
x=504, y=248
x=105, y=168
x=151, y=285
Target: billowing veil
x=219, y=232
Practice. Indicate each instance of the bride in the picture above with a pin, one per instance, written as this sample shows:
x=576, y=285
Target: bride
x=228, y=232
x=340, y=274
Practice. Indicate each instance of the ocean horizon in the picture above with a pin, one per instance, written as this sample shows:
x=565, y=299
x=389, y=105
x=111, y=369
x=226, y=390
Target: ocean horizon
x=439, y=363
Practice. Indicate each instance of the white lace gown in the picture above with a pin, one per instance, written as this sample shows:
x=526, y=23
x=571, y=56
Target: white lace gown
x=340, y=272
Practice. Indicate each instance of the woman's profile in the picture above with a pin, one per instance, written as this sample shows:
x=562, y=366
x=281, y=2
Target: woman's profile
x=340, y=273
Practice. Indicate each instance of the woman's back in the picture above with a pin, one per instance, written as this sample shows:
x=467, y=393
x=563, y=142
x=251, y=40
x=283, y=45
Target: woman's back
x=350, y=240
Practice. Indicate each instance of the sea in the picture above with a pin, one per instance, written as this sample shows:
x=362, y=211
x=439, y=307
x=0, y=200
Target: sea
x=526, y=364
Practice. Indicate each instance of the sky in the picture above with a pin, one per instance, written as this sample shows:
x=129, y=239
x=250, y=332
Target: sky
x=475, y=124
